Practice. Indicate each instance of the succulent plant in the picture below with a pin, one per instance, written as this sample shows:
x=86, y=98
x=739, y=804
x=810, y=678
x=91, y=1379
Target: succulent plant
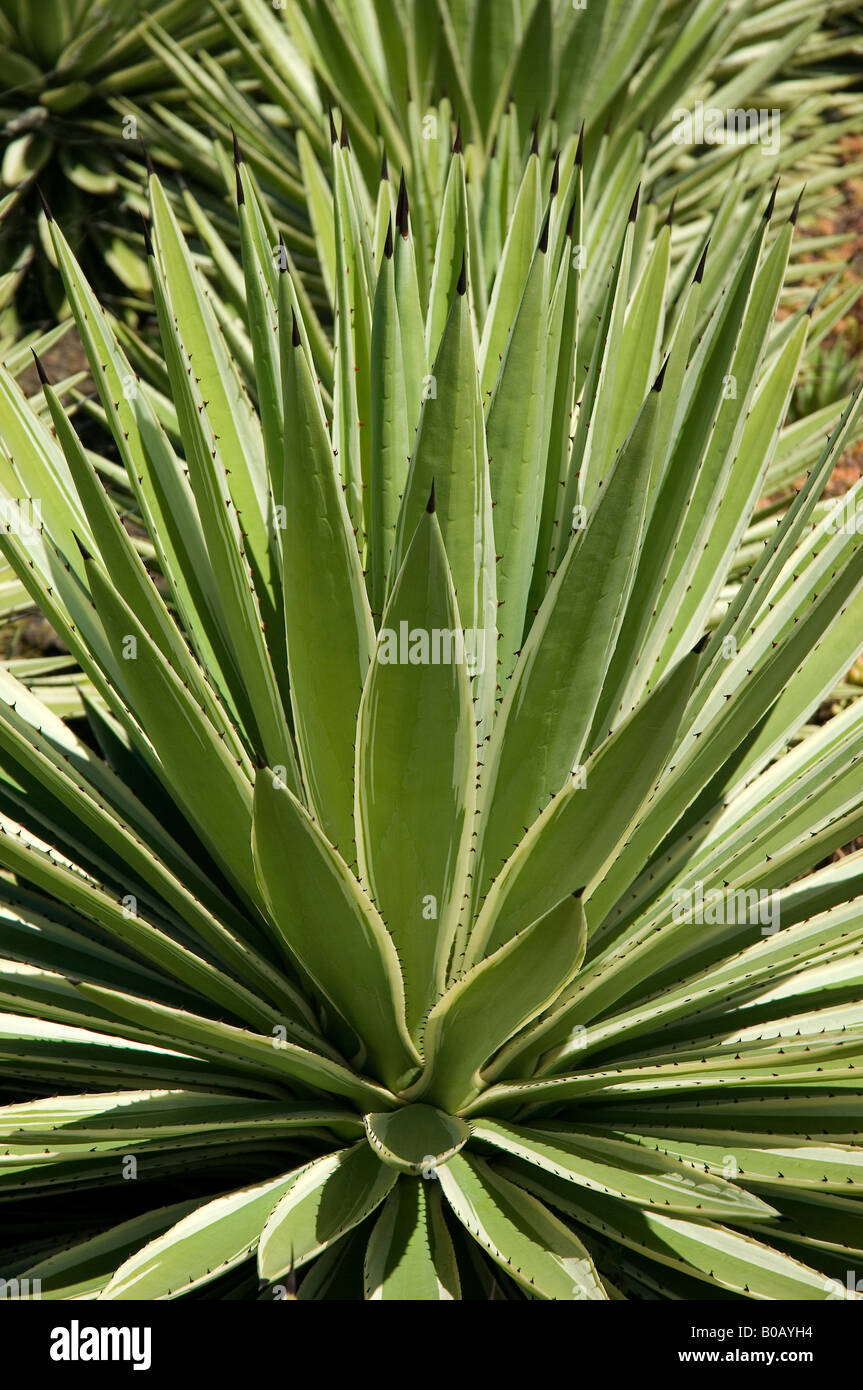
x=403, y=74
x=438, y=902
x=830, y=371
x=65, y=68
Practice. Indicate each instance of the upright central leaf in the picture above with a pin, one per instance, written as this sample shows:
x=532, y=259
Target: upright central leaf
x=451, y=244
x=515, y=429
x=450, y=452
x=353, y=328
x=416, y=764
x=390, y=426
x=327, y=618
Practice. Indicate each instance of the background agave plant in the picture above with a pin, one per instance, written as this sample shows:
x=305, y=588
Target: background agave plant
x=499, y=216
x=413, y=82
x=192, y=69
x=62, y=63
x=375, y=968
x=506, y=220
x=403, y=73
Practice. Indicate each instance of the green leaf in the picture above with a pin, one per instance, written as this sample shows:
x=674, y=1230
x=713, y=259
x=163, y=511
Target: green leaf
x=774, y=660
x=764, y=1162
x=410, y=1257
x=354, y=964
x=547, y=711
x=518, y=251
x=24, y=156
x=133, y=931
x=500, y=995
x=208, y=1242
x=618, y=1168
x=37, y=1048
x=515, y=436
x=120, y=1117
x=721, y=1257
x=237, y=1050
x=322, y=1201
x=520, y=1234
x=154, y=471
x=259, y=279
x=712, y=488
x=585, y=815
x=559, y=397
x=451, y=254
x=450, y=453
x=531, y=89
x=415, y=769
x=125, y=565
x=455, y=38
x=391, y=426
x=229, y=410
x=111, y=819
x=621, y=677
x=597, y=424
x=492, y=42
x=192, y=761
x=416, y=1138
x=319, y=200
x=639, y=358
x=353, y=330
x=234, y=506
x=330, y=635
x=410, y=314
x=84, y=1268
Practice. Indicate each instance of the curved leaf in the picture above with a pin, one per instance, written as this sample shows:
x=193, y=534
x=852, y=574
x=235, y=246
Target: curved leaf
x=497, y=997
x=410, y=1257
x=209, y=1241
x=521, y=1235
x=304, y=881
x=416, y=1138
x=322, y=1201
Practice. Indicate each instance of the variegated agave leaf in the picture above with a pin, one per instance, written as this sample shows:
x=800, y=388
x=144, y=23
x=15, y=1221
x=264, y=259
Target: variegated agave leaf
x=69, y=73
x=445, y=863
x=733, y=97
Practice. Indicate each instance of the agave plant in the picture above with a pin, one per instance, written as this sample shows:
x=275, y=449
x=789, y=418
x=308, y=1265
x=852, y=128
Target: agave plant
x=830, y=370
x=406, y=83
x=61, y=65
x=373, y=938
x=403, y=73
